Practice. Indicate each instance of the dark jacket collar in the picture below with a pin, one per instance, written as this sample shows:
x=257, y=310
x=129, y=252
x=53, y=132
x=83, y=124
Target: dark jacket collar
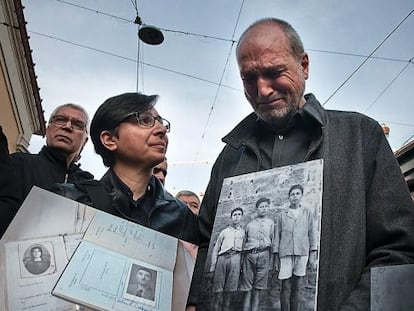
x=122, y=195
x=243, y=134
x=56, y=156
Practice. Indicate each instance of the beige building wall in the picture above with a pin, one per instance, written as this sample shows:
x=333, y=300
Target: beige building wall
x=21, y=114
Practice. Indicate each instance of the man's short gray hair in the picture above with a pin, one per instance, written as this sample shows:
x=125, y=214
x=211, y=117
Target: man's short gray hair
x=187, y=193
x=74, y=106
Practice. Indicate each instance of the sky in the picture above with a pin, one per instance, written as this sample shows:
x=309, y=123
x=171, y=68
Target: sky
x=85, y=51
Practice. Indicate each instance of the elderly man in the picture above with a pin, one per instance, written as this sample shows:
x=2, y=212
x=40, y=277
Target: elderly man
x=191, y=199
x=66, y=135
x=367, y=212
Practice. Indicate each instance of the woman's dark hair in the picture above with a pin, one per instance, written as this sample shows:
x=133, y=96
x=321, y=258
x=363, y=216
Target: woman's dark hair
x=111, y=113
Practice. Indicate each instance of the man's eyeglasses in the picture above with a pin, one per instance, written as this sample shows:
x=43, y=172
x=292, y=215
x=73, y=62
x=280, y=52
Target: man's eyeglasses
x=147, y=120
x=61, y=120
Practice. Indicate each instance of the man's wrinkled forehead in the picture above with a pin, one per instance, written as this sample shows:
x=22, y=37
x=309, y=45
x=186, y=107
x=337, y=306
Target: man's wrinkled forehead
x=71, y=112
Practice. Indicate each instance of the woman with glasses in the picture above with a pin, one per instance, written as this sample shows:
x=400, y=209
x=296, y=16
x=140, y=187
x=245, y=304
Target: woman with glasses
x=131, y=137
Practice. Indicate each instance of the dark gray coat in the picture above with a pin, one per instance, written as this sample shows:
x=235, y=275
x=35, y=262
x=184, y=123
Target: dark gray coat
x=367, y=212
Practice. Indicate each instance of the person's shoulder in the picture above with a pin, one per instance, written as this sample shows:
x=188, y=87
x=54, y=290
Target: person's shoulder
x=24, y=161
x=306, y=210
x=226, y=230
x=352, y=122
x=82, y=174
x=76, y=191
x=352, y=116
x=20, y=155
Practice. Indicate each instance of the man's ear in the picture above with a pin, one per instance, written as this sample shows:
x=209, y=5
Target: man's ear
x=109, y=140
x=305, y=64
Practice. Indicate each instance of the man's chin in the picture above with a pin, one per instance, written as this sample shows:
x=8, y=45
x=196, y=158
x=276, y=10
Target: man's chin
x=62, y=146
x=275, y=121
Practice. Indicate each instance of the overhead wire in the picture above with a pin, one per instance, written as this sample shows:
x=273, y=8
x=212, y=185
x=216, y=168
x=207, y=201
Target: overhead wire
x=367, y=58
x=133, y=20
x=135, y=5
x=132, y=60
x=96, y=11
x=358, y=55
x=398, y=123
x=407, y=140
x=220, y=83
x=177, y=72
x=389, y=85
x=198, y=35
x=411, y=61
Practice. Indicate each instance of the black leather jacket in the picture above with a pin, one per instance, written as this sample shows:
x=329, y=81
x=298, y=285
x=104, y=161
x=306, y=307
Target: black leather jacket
x=167, y=214
x=44, y=170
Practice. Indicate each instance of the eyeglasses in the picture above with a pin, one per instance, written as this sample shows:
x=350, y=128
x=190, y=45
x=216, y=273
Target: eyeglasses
x=61, y=120
x=148, y=120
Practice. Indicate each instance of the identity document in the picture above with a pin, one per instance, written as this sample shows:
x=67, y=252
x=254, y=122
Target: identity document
x=120, y=265
x=123, y=265
x=264, y=247
x=35, y=249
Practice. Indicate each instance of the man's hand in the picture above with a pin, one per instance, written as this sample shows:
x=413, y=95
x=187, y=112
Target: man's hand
x=190, y=308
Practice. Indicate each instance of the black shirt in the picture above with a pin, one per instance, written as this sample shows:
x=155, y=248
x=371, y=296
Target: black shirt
x=287, y=146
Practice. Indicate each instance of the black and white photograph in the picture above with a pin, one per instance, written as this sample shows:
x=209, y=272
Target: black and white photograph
x=37, y=259
x=142, y=283
x=33, y=266
x=264, y=250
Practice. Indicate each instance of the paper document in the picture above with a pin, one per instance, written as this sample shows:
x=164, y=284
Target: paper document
x=120, y=265
x=35, y=249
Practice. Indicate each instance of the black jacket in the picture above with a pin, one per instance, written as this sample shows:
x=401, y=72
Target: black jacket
x=9, y=201
x=44, y=170
x=166, y=214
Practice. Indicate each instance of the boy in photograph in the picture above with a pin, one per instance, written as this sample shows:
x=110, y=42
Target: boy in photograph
x=225, y=261
x=296, y=245
x=257, y=251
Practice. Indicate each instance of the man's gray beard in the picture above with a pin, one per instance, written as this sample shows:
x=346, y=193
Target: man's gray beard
x=280, y=121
